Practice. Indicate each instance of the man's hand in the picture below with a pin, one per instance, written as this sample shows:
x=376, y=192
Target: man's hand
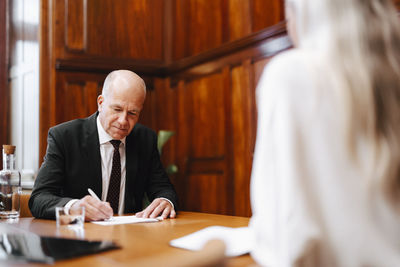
x=95, y=210
x=157, y=207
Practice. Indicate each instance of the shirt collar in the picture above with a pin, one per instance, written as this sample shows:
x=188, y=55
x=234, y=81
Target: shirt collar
x=104, y=137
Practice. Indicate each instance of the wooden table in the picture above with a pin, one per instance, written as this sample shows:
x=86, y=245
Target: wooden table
x=138, y=241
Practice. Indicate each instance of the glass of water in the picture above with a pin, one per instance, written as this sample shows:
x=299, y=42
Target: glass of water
x=76, y=220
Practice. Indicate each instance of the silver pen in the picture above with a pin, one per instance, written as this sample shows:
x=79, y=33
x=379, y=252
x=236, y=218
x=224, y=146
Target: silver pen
x=93, y=194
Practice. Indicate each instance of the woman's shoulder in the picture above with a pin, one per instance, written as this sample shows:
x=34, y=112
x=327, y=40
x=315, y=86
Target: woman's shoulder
x=297, y=80
x=294, y=72
x=292, y=65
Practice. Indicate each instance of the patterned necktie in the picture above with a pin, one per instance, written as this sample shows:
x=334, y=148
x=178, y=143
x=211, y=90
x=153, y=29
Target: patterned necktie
x=115, y=178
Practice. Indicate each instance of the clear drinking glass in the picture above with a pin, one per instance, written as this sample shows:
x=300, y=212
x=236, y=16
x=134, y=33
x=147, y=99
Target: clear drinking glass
x=10, y=185
x=71, y=220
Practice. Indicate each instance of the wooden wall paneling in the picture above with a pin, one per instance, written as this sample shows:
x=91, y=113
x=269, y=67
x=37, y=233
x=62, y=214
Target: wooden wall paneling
x=58, y=28
x=166, y=119
x=229, y=141
x=202, y=25
x=267, y=13
x=4, y=89
x=180, y=29
x=183, y=117
x=243, y=118
x=105, y=65
x=108, y=29
x=204, y=191
x=205, y=25
x=77, y=95
x=207, y=171
x=166, y=115
x=214, y=60
x=225, y=27
x=240, y=21
x=259, y=66
x=74, y=101
x=75, y=25
x=45, y=73
x=125, y=29
x=148, y=115
x=47, y=49
x=168, y=31
x=257, y=45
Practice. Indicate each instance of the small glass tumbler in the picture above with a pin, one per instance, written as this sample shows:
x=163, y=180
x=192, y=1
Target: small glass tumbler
x=71, y=220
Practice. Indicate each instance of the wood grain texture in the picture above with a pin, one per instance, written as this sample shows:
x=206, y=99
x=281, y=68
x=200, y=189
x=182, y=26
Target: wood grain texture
x=202, y=25
x=266, y=13
x=45, y=73
x=240, y=21
x=75, y=25
x=78, y=94
x=210, y=64
x=4, y=89
x=143, y=244
x=257, y=45
x=115, y=29
x=168, y=41
x=197, y=112
x=243, y=134
x=214, y=117
x=205, y=25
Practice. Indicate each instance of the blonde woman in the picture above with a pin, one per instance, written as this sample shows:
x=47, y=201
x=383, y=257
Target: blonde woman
x=325, y=184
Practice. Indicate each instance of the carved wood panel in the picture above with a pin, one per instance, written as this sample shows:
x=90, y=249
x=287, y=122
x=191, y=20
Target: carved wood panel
x=214, y=117
x=76, y=95
x=129, y=29
x=202, y=25
x=75, y=25
x=244, y=121
x=207, y=163
x=4, y=90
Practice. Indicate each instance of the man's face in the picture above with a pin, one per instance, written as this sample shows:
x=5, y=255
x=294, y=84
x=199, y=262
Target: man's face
x=119, y=109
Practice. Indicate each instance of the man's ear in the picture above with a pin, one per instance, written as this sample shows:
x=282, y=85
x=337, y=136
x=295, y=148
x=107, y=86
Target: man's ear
x=100, y=100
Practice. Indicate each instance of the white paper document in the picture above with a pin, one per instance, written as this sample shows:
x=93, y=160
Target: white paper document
x=126, y=220
x=238, y=241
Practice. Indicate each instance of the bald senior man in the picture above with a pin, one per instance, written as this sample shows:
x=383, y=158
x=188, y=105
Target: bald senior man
x=108, y=152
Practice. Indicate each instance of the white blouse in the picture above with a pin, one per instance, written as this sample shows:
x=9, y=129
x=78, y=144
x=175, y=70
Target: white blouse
x=312, y=205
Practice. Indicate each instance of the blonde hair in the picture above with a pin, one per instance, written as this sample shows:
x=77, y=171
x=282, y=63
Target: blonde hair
x=362, y=40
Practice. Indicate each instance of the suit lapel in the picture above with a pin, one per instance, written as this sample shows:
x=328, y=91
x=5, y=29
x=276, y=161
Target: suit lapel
x=92, y=148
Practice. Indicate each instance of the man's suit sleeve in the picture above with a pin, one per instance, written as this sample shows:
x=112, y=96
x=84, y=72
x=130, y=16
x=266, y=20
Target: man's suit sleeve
x=47, y=190
x=159, y=184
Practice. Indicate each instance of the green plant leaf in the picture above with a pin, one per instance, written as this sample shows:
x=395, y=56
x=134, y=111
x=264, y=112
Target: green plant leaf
x=163, y=137
x=171, y=169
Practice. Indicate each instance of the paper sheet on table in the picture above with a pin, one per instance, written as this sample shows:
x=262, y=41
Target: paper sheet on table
x=238, y=241
x=127, y=219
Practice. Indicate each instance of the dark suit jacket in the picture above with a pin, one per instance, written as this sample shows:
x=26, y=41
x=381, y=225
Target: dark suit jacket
x=73, y=164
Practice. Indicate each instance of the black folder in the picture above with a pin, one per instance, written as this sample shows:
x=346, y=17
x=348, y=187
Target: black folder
x=29, y=247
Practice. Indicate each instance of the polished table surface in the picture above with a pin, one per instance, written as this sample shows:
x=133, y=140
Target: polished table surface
x=138, y=241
